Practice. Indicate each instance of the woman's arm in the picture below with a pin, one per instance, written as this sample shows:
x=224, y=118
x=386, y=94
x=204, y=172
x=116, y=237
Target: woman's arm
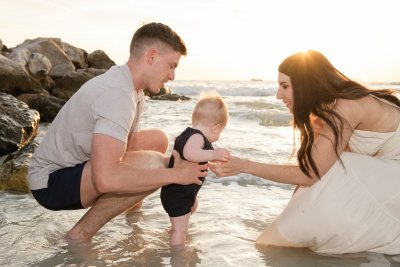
x=323, y=153
x=281, y=173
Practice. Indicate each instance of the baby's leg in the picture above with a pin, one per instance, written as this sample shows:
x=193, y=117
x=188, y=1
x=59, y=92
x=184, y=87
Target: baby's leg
x=194, y=207
x=179, y=229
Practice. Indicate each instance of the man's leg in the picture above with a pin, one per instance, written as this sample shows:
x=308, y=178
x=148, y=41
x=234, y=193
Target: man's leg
x=158, y=141
x=107, y=206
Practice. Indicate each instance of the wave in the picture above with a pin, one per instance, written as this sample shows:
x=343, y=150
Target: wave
x=243, y=88
x=224, y=88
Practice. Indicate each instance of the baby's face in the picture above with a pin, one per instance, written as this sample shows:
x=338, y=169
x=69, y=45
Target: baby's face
x=215, y=133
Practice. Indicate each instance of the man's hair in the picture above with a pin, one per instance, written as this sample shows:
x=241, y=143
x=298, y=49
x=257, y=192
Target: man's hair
x=156, y=34
x=211, y=110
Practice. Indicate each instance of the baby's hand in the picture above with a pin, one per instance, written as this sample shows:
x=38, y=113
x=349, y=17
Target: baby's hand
x=221, y=154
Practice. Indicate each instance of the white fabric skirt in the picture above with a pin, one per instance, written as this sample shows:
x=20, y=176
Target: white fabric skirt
x=353, y=208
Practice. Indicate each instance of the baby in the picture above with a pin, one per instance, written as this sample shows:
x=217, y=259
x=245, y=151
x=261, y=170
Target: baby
x=209, y=118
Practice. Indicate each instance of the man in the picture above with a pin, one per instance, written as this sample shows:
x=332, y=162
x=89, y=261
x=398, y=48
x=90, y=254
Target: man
x=94, y=155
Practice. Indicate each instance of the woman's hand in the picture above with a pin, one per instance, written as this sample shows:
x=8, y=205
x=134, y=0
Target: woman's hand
x=221, y=154
x=228, y=168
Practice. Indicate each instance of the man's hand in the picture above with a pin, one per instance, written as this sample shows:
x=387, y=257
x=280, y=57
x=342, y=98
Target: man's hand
x=188, y=172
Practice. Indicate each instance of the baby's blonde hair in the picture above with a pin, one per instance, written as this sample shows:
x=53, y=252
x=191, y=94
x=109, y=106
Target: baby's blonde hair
x=210, y=110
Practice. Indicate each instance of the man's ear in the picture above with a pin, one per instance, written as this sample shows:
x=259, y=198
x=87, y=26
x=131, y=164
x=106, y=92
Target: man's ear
x=151, y=53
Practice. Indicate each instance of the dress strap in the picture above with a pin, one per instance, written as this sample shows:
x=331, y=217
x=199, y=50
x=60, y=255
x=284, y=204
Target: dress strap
x=384, y=100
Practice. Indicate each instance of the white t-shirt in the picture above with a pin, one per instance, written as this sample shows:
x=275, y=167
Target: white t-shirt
x=107, y=104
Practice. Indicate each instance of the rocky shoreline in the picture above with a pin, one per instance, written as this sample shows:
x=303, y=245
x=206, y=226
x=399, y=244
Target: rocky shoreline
x=37, y=77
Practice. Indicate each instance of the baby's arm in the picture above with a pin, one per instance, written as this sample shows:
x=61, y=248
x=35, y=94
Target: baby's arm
x=193, y=151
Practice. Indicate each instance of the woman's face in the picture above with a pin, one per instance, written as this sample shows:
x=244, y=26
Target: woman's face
x=285, y=91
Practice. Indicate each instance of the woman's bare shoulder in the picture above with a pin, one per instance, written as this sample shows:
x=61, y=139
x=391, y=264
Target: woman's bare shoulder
x=345, y=106
x=353, y=110
x=352, y=103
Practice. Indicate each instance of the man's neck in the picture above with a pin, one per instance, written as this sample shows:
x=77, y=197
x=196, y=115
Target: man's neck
x=135, y=74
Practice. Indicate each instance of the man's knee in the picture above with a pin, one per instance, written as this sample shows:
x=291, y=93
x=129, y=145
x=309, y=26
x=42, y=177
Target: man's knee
x=150, y=139
x=146, y=159
x=161, y=140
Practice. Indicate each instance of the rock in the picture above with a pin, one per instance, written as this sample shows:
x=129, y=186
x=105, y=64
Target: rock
x=66, y=86
x=47, y=83
x=14, y=170
x=165, y=94
x=171, y=97
x=15, y=80
x=99, y=60
x=18, y=124
x=20, y=56
x=39, y=65
x=3, y=48
x=95, y=72
x=47, y=105
x=48, y=47
x=78, y=56
x=163, y=91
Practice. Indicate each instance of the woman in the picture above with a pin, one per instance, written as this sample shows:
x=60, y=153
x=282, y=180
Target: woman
x=345, y=201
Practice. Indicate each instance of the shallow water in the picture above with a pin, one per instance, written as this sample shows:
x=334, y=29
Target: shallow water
x=221, y=233
x=232, y=211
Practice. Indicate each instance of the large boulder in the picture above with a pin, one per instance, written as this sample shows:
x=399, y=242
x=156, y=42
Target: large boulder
x=99, y=60
x=165, y=93
x=66, y=86
x=14, y=169
x=18, y=124
x=39, y=65
x=78, y=56
x=171, y=97
x=3, y=48
x=20, y=56
x=15, y=80
x=60, y=62
x=47, y=105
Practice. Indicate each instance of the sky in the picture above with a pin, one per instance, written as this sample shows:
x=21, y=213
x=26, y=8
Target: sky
x=226, y=39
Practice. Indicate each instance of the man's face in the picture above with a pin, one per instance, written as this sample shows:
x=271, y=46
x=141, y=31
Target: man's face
x=163, y=68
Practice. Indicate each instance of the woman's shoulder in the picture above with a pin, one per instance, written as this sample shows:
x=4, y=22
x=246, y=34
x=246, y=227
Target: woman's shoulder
x=354, y=110
x=352, y=102
x=366, y=113
x=351, y=105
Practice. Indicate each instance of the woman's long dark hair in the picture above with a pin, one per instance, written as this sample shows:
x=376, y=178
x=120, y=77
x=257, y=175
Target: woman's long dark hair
x=317, y=83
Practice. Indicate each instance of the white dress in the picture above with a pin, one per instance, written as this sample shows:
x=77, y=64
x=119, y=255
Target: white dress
x=352, y=208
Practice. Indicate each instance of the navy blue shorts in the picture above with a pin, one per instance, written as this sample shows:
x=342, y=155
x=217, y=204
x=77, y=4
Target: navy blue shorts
x=63, y=190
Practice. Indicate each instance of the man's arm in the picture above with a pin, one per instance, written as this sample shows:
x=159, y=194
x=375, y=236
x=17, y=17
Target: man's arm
x=112, y=172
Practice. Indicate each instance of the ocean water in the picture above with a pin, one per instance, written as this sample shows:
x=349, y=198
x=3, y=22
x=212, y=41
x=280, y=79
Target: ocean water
x=232, y=211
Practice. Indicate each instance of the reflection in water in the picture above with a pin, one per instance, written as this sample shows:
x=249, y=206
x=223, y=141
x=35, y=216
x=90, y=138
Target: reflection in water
x=74, y=253
x=131, y=250
x=185, y=257
x=221, y=234
x=295, y=257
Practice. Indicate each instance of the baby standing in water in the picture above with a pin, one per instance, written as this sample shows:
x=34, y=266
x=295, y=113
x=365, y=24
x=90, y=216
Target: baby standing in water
x=209, y=118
